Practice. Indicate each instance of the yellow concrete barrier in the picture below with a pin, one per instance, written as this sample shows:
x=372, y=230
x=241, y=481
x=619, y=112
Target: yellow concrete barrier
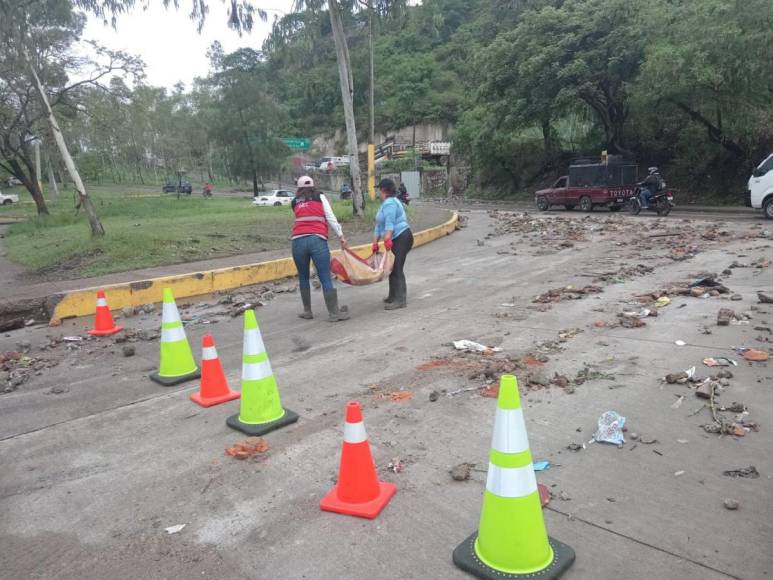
x=81, y=302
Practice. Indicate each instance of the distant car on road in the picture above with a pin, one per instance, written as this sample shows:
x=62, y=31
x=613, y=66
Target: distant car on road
x=8, y=199
x=275, y=197
x=12, y=181
x=180, y=187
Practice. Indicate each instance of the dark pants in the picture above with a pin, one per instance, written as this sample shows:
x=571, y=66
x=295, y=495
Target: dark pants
x=313, y=248
x=401, y=245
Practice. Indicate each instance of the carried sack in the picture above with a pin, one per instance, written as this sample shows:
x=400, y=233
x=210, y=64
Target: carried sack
x=349, y=268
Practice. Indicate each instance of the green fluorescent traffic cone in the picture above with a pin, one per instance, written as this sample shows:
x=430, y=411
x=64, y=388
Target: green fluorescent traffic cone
x=511, y=541
x=177, y=364
x=261, y=409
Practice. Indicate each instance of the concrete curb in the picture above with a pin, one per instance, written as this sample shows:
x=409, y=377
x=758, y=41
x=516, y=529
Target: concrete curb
x=81, y=302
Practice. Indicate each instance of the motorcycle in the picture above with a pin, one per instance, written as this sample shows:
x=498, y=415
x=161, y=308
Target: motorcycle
x=662, y=202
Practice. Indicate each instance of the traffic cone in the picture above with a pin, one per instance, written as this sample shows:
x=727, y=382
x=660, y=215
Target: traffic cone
x=358, y=491
x=261, y=410
x=177, y=364
x=511, y=540
x=213, y=389
x=103, y=320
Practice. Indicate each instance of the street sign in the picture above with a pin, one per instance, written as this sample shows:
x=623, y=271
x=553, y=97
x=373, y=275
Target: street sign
x=298, y=143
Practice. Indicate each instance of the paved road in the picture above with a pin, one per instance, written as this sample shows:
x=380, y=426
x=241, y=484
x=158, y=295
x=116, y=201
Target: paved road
x=91, y=476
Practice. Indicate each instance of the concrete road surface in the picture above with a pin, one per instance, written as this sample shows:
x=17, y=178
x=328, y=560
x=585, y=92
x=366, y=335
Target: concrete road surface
x=96, y=460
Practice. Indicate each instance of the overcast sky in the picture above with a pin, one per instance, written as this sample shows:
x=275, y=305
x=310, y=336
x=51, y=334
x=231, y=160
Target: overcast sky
x=168, y=42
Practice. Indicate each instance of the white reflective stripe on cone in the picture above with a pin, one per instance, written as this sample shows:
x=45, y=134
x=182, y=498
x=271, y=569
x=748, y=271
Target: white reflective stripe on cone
x=172, y=334
x=169, y=312
x=101, y=302
x=256, y=371
x=355, y=432
x=509, y=431
x=253, y=342
x=511, y=481
x=208, y=353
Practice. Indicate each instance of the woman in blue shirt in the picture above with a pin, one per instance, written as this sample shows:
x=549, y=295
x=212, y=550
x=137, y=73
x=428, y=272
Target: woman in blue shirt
x=392, y=225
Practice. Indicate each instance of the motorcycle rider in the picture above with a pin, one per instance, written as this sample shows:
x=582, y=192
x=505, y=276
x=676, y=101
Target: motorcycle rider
x=651, y=185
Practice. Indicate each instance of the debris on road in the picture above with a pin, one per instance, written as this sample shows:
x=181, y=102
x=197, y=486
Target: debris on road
x=764, y=298
x=588, y=373
x=680, y=378
x=433, y=396
x=719, y=361
x=744, y=472
x=128, y=351
x=461, y=472
x=731, y=504
x=566, y=293
x=610, y=429
x=541, y=465
x=396, y=465
x=470, y=346
x=175, y=529
x=754, y=355
x=724, y=316
x=397, y=396
x=250, y=447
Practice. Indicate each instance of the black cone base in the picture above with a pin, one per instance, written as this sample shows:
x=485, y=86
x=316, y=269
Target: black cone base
x=256, y=429
x=172, y=381
x=466, y=559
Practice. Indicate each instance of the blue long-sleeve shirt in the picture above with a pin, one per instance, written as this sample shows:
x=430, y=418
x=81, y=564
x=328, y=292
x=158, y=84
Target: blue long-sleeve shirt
x=391, y=216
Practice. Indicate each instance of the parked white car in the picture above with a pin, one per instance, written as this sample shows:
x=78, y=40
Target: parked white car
x=8, y=199
x=275, y=197
x=759, y=194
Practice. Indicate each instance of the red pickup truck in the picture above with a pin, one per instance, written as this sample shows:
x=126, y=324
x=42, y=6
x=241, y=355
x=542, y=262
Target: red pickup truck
x=589, y=185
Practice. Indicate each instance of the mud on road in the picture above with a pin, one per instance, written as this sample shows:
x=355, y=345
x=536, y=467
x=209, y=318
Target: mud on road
x=592, y=313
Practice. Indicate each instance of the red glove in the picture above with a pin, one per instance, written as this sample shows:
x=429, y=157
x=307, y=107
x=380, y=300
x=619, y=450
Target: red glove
x=374, y=247
x=388, y=245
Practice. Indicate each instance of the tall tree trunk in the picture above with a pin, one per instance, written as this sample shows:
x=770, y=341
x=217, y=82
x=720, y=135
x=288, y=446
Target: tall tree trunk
x=51, y=176
x=30, y=183
x=209, y=161
x=96, y=226
x=347, y=95
x=254, y=183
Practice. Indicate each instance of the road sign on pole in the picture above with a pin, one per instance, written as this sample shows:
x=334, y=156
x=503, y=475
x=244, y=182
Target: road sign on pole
x=297, y=143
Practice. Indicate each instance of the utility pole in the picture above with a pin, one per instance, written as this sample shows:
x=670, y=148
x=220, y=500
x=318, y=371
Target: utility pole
x=372, y=133
x=36, y=145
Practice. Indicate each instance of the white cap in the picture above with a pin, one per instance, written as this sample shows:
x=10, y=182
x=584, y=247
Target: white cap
x=305, y=181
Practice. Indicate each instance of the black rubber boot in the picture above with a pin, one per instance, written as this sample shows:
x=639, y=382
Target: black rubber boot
x=391, y=298
x=400, y=300
x=306, y=298
x=335, y=314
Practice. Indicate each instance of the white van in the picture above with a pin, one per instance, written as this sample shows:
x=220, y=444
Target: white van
x=759, y=194
x=336, y=161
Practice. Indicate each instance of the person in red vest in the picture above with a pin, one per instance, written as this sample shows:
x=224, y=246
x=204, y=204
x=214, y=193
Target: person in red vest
x=313, y=215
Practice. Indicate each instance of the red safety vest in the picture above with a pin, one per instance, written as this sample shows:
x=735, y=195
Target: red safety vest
x=309, y=217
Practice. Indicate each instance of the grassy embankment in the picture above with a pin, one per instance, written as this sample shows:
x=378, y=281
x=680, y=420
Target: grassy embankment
x=150, y=231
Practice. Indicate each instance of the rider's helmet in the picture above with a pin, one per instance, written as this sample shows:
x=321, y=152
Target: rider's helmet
x=652, y=170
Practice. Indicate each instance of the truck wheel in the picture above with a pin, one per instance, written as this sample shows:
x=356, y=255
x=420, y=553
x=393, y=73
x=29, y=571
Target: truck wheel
x=7, y=202
x=542, y=203
x=767, y=207
x=569, y=206
x=276, y=203
x=586, y=204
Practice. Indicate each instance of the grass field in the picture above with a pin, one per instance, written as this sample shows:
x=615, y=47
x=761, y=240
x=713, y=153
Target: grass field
x=150, y=231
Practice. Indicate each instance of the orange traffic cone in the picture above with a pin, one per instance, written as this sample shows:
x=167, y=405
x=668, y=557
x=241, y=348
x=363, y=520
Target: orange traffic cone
x=214, y=387
x=103, y=321
x=358, y=491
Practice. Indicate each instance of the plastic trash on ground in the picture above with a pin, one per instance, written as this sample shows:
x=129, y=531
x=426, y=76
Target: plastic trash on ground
x=610, y=428
x=349, y=268
x=470, y=346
